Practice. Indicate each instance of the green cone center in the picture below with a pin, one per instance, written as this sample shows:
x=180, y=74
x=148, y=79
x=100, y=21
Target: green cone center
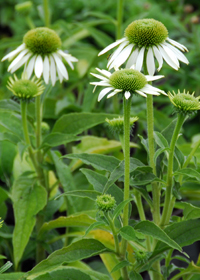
x=128, y=80
x=146, y=32
x=186, y=102
x=25, y=88
x=42, y=41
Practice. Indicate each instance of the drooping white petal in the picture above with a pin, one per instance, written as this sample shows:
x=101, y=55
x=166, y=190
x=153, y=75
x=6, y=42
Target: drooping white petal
x=38, y=66
x=17, y=59
x=61, y=66
x=101, y=83
x=46, y=70
x=30, y=66
x=178, y=53
x=149, y=91
x=178, y=45
x=141, y=93
x=153, y=78
x=167, y=58
x=150, y=62
x=52, y=70
x=104, y=72
x=150, y=87
x=15, y=52
x=139, y=60
x=132, y=59
x=111, y=46
x=60, y=76
x=171, y=54
x=127, y=94
x=20, y=63
x=99, y=77
x=158, y=57
x=122, y=57
x=116, y=53
x=111, y=94
x=104, y=92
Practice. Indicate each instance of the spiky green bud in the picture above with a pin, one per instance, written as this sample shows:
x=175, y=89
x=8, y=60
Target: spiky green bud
x=105, y=202
x=117, y=124
x=141, y=256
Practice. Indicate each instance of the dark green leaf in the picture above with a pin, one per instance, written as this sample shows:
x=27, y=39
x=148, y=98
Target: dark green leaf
x=160, y=140
x=120, y=265
x=189, y=172
x=119, y=208
x=82, y=193
x=56, y=139
x=135, y=276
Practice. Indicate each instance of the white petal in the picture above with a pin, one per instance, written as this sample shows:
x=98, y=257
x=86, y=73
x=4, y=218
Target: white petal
x=38, y=66
x=171, y=54
x=178, y=45
x=52, y=70
x=150, y=62
x=20, y=63
x=132, y=59
x=99, y=77
x=17, y=59
x=15, y=52
x=104, y=92
x=101, y=83
x=111, y=46
x=67, y=56
x=154, y=89
x=148, y=91
x=116, y=53
x=127, y=94
x=178, y=54
x=139, y=61
x=29, y=69
x=60, y=75
x=61, y=66
x=167, y=58
x=158, y=57
x=153, y=78
x=46, y=69
x=141, y=93
x=104, y=72
x=111, y=94
x=122, y=57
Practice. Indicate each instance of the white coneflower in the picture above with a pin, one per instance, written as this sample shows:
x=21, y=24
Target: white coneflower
x=24, y=88
x=146, y=37
x=41, y=52
x=125, y=81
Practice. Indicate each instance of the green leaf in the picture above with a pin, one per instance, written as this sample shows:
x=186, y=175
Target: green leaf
x=149, y=228
x=119, y=171
x=130, y=234
x=159, y=152
x=12, y=276
x=5, y=267
x=190, y=211
x=135, y=276
x=120, y=207
x=98, y=181
x=189, y=172
x=169, y=130
x=28, y=199
x=143, y=191
x=94, y=225
x=82, y=193
x=81, y=220
x=8, y=104
x=66, y=180
x=160, y=140
x=78, y=250
x=120, y=265
x=76, y=123
x=56, y=139
x=100, y=162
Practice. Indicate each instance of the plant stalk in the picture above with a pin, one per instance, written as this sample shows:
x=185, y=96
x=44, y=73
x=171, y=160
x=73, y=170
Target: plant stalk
x=46, y=13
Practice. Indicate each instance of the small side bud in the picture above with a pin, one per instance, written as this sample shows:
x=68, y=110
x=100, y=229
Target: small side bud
x=24, y=8
x=141, y=256
x=105, y=202
x=117, y=124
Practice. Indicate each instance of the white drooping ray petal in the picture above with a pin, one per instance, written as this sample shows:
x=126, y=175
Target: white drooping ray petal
x=39, y=57
x=150, y=62
x=46, y=71
x=154, y=45
x=126, y=82
x=111, y=46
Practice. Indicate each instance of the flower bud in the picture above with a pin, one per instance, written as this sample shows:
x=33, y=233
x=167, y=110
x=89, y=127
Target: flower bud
x=105, y=202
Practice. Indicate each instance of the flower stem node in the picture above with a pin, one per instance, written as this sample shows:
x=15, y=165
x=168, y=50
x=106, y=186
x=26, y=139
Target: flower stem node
x=117, y=124
x=24, y=88
x=184, y=102
x=105, y=202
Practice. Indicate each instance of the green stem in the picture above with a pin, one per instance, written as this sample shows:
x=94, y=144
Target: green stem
x=196, y=146
x=112, y=227
x=120, y=6
x=167, y=210
x=40, y=252
x=127, y=107
x=26, y=134
x=46, y=13
x=30, y=23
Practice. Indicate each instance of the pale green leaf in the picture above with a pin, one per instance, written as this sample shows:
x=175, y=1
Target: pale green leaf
x=82, y=193
x=56, y=139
